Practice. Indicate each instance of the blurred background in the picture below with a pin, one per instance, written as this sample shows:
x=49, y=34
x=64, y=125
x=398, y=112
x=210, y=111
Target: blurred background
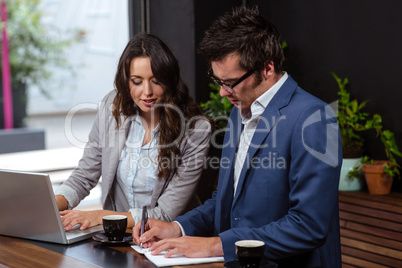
x=358, y=40
x=104, y=32
x=63, y=56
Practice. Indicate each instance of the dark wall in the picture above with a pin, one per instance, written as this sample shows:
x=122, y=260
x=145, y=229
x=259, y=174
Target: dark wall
x=181, y=24
x=206, y=11
x=356, y=39
x=173, y=22
x=359, y=40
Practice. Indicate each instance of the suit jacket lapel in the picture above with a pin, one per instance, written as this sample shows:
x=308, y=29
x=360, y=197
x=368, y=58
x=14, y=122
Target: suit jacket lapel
x=226, y=181
x=265, y=125
x=230, y=145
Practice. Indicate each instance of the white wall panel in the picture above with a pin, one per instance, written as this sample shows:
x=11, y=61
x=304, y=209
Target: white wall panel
x=95, y=59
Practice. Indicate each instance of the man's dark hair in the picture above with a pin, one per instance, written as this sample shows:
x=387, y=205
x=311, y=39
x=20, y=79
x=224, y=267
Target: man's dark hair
x=245, y=32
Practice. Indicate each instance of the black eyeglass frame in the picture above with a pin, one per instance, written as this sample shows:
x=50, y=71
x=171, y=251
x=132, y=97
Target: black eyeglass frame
x=227, y=87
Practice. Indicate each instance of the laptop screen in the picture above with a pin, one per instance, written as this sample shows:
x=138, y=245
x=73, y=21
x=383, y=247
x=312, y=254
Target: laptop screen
x=29, y=209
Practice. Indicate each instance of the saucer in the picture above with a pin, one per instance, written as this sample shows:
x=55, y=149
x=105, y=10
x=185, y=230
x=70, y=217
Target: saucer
x=264, y=264
x=102, y=238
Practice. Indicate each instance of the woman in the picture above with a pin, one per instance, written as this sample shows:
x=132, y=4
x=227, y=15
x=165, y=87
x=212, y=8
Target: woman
x=148, y=143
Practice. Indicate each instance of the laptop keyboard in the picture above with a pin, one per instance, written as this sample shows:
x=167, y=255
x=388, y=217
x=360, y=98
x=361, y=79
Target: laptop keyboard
x=75, y=231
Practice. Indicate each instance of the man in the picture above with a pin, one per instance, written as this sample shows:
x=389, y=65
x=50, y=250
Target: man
x=280, y=164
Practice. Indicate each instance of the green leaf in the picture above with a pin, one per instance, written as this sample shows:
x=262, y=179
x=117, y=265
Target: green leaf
x=217, y=106
x=284, y=44
x=35, y=48
x=388, y=134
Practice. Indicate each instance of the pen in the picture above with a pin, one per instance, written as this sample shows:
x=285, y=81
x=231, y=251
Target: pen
x=143, y=221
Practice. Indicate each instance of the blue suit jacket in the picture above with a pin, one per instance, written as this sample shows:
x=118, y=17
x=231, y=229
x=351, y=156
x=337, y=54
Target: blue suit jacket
x=287, y=194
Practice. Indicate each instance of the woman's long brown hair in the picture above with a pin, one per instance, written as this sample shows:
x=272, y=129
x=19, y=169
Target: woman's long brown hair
x=177, y=103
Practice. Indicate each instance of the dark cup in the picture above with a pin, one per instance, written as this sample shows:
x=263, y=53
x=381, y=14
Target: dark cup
x=250, y=253
x=115, y=227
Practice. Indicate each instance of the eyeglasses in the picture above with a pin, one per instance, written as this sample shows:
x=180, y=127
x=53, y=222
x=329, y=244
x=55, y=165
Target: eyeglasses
x=227, y=87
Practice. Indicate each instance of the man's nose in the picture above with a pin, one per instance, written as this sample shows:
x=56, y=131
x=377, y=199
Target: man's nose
x=223, y=92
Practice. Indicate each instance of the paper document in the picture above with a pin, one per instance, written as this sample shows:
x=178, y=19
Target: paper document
x=140, y=250
x=160, y=260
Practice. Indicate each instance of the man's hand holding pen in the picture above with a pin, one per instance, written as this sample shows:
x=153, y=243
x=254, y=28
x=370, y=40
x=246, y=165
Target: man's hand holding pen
x=155, y=230
x=167, y=236
x=144, y=221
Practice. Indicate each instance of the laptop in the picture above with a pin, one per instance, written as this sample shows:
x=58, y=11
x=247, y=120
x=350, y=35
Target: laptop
x=29, y=210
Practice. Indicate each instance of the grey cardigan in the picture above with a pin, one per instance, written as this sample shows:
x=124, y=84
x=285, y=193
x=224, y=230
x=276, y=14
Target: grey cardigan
x=171, y=196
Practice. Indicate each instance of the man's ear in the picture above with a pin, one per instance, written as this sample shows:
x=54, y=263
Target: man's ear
x=269, y=69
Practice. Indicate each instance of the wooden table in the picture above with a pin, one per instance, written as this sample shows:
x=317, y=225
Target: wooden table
x=15, y=252
x=371, y=229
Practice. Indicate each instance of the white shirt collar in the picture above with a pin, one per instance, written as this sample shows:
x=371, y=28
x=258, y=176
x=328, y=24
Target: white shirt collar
x=137, y=119
x=268, y=95
x=259, y=105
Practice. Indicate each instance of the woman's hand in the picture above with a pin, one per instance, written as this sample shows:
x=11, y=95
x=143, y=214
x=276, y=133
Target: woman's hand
x=86, y=219
x=62, y=202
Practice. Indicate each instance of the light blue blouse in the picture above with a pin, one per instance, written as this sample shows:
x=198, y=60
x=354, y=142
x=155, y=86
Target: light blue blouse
x=137, y=169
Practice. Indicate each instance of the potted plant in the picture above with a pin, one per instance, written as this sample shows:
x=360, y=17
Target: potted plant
x=34, y=50
x=351, y=120
x=216, y=107
x=379, y=174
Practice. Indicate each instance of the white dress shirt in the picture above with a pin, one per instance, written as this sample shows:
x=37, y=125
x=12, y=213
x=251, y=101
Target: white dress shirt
x=250, y=122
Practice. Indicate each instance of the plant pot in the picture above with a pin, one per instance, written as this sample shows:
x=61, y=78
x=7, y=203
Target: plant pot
x=19, y=105
x=350, y=184
x=377, y=181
